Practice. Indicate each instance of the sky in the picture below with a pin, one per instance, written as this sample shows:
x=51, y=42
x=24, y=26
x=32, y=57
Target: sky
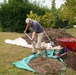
x=47, y=2
x=2, y=0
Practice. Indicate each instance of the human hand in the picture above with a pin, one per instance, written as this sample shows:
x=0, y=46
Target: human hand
x=24, y=31
x=32, y=39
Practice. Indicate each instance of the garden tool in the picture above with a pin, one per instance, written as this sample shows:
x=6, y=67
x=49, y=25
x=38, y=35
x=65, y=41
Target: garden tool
x=30, y=38
x=51, y=42
x=34, y=42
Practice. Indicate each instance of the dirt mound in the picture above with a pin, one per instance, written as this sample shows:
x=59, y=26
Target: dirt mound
x=71, y=63
x=46, y=66
x=53, y=35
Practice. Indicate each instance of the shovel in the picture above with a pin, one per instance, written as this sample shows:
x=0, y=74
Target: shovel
x=34, y=42
x=30, y=38
x=51, y=42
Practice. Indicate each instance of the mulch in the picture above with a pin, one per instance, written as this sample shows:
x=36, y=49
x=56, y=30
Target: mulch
x=46, y=66
x=53, y=35
x=51, y=66
x=71, y=63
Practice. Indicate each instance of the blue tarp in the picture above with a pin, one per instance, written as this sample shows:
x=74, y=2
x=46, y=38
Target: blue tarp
x=24, y=63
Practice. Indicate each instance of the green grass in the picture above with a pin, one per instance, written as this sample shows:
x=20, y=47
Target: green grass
x=12, y=53
x=72, y=31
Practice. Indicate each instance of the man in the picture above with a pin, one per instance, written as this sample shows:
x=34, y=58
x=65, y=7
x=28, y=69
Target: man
x=37, y=31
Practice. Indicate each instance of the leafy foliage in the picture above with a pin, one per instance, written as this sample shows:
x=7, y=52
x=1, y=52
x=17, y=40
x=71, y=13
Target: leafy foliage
x=33, y=16
x=14, y=13
x=12, y=17
x=68, y=11
x=53, y=6
x=48, y=20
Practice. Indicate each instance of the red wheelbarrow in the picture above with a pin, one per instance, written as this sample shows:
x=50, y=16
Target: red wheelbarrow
x=69, y=43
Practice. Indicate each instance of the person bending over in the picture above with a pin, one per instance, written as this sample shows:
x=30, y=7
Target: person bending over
x=37, y=31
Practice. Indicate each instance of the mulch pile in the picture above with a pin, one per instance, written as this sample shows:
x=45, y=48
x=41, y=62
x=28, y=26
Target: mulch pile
x=46, y=66
x=71, y=63
x=53, y=35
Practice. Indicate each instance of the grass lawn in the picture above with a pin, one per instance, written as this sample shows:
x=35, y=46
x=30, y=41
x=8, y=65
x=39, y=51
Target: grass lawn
x=12, y=53
x=72, y=31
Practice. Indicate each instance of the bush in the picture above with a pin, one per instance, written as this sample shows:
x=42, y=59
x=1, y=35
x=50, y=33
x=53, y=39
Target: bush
x=12, y=17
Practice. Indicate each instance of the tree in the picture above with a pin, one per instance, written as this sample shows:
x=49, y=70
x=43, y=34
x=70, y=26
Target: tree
x=10, y=1
x=68, y=12
x=48, y=20
x=13, y=16
x=5, y=1
x=33, y=16
x=53, y=6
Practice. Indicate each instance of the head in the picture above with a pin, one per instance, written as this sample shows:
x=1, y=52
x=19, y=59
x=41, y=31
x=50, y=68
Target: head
x=28, y=21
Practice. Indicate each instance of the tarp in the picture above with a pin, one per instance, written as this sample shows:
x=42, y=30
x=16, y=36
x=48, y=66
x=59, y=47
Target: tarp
x=24, y=62
x=21, y=42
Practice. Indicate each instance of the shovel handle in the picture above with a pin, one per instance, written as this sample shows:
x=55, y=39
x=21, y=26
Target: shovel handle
x=30, y=38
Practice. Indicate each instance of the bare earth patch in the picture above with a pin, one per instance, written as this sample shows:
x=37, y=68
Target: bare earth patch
x=46, y=66
x=71, y=63
x=53, y=35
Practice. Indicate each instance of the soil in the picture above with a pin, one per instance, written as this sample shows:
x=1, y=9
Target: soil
x=53, y=35
x=51, y=66
x=46, y=66
x=71, y=63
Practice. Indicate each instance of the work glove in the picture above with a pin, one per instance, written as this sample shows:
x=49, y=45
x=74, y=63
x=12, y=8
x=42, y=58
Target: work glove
x=25, y=31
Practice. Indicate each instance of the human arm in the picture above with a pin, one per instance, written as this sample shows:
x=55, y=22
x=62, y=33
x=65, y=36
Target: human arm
x=33, y=35
x=27, y=27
